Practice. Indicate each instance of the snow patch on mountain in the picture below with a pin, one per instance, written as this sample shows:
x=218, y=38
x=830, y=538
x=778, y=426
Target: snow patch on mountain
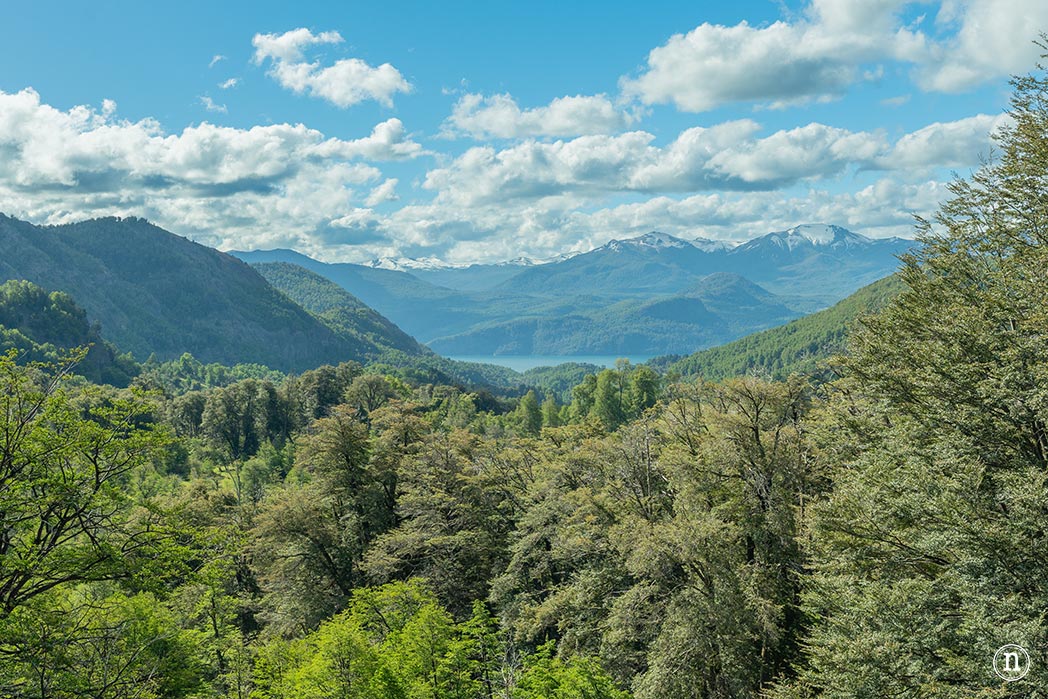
x=406, y=264
x=707, y=245
x=653, y=240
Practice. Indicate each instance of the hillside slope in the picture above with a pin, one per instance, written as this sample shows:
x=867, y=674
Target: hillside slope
x=154, y=292
x=420, y=308
x=797, y=347
x=716, y=309
x=348, y=316
x=44, y=326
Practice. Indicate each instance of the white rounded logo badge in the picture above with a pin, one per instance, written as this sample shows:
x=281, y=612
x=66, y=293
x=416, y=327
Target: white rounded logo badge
x=1011, y=662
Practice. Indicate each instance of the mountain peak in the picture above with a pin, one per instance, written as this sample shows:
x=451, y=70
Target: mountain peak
x=708, y=245
x=809, y=236
x=411, y=263
x=825, y=234
x=652, y=240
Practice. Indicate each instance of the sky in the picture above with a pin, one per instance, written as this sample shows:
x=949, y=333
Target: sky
x=486, y=131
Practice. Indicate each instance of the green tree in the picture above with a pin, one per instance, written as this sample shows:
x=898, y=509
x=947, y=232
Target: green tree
x=929, y=554
x=582, y=397
x=609, y=399
x=644, y=390
x=368, y=392
x=453, y=521
x=528, y=414
x=310, y=536
x=65, y=517
x=550, y=412
x=547, y=677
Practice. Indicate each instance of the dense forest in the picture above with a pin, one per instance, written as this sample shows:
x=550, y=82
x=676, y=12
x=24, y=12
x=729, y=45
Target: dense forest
x=875, y=530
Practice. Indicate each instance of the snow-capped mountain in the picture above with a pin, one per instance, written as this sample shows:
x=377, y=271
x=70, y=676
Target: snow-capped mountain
x=707, y=245
x=815, y=238
x=653, y=240
x=812, y=260
x=408, y=264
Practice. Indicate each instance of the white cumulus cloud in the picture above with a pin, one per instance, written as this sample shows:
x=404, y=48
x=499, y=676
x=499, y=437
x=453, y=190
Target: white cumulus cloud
x=834, y=44
x=278, y=184
x=499, y=116
x=731, y=156
x=344, y=83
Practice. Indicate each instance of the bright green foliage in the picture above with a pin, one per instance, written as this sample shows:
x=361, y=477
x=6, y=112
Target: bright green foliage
x=65, y=517
x=68, y=524
x=582, y=397
x=557, y=381
x=610, y=400
x=529, y=414
x=546, y=677
x=188, y=374
x=393, y=642
x=397, y=642
x=90, y=642
x=550, y=412
x=644, y=390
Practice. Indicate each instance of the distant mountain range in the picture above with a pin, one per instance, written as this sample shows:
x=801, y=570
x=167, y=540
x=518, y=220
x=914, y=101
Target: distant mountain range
x=817, y=264
x=652, y=294
x=156, y=293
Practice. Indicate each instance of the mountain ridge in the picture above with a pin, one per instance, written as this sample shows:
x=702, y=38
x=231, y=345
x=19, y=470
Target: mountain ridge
x=154, y=292
x=633, y=296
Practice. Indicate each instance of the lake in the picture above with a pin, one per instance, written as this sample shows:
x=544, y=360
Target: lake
x=524, y=362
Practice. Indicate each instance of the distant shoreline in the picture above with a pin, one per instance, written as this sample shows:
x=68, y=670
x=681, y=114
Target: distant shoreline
x=523, y=362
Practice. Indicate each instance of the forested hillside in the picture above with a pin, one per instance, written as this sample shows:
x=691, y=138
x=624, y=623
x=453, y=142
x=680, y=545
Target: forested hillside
x=369, y=333
x=711, y=311
x=46, y=327
x=153, y=292
x=801, y=346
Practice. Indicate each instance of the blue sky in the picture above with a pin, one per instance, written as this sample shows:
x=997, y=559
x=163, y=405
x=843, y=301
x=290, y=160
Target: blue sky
x=487, y=131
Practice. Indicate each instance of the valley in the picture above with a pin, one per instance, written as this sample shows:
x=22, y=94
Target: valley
x=650, y=295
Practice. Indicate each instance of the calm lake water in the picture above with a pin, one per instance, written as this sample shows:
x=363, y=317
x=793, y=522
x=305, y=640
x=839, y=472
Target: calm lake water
x=525, y=362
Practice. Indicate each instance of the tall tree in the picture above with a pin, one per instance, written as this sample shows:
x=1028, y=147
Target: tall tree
x=930, y=553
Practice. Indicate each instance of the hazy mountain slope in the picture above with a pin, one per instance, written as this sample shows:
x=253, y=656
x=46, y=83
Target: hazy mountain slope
x=652, y=294
x=423, y=310
x=654, y=263
x=369, y=331
x=818, y=261
x=797, y=347
x=477, y=277
x=717, y=309
x=155, y=292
